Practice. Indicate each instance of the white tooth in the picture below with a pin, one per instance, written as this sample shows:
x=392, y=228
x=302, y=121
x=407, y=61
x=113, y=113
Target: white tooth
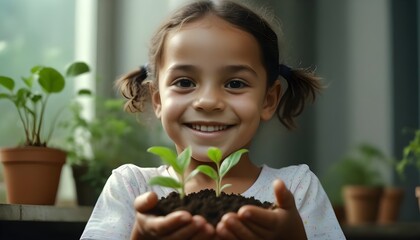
x=204, y=128
x=210, y=128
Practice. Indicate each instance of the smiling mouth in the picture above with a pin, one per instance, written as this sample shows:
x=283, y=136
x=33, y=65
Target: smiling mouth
x=208, y=128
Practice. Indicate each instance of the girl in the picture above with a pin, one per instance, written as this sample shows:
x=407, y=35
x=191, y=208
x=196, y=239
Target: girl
x=213, y=76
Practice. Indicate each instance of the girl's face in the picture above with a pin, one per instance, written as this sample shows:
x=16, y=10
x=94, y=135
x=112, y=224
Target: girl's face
x=212, y=87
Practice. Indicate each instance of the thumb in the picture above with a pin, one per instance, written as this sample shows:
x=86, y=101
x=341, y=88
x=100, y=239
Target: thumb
x=284, y=197
x=145, y=201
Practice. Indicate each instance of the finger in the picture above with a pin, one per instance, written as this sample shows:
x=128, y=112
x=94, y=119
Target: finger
x=257, y=219
x=284, y=197
x=163, y=225
x=145, y=202
x=223, y=233
x=187, y=231
x=237, y=228
x=206, y=231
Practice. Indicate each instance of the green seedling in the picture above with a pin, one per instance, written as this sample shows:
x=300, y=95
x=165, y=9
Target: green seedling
x=215, y=155
x=179, y=164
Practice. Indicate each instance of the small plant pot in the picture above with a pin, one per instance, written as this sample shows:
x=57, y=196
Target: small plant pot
x=86, y=194
x=390, y=205
x=417, y=192
x=206, y=204
x=361, y=204
x=32, y=174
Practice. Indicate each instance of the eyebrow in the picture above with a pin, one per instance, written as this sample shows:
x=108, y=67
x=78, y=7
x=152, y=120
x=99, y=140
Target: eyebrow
x=230, y=68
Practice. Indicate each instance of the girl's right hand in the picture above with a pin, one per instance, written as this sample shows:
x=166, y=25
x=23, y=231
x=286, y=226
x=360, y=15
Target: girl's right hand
x=176, y=225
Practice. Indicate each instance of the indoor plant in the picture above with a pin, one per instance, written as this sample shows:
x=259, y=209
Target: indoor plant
x=357, y=184
x=411, y=157
x=32, y=170
x=211, y=204
x=97, y=146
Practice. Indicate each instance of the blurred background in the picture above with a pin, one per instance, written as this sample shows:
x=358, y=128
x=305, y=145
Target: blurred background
x=367, y=53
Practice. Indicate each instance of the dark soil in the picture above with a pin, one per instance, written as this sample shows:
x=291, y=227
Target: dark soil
x=206, y=204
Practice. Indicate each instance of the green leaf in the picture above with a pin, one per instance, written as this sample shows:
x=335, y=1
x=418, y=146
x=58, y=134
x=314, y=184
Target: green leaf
x=167, y=155
x=184, y=159
x=225, y=186
x=209, y=171
x=215, y=154
x=5, y=96
x=165, y=182
x=192, y=174
x=51, y=80
x=231, y=161
x=28, y=80
x=35, y=98
x=7, y=82
x=86, y=92
x=76, y=69
x=22, y=96
x=36, y=69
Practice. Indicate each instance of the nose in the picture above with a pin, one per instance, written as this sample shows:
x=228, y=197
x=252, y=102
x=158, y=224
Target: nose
x=209, y=100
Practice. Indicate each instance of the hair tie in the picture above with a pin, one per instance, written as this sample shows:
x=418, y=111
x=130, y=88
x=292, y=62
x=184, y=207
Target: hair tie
x=285, y=71
x=142, y=74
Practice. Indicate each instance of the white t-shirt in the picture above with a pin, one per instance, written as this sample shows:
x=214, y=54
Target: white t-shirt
x=113, y=215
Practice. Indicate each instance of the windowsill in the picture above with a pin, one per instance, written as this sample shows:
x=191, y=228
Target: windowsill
x=17, y=212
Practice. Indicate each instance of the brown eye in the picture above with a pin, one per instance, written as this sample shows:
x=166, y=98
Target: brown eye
x=235, y=84
x=184, y=83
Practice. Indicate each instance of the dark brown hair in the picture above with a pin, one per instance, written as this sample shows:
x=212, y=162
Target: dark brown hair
x=302, y=83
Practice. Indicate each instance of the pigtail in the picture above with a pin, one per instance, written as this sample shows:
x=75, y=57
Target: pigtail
x=135, y=89
x=303, y=85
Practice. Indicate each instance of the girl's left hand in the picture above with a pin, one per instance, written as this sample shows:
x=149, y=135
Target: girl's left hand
x=252, y=222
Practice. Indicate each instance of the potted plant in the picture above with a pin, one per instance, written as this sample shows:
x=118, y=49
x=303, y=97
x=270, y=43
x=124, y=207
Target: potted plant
x=411, y=157
x=96, y=146
x=356, y=184
x=211, y=204
x=32, y=170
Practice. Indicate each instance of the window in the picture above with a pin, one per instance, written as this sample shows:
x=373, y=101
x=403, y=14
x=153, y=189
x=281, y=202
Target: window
x=31, y=33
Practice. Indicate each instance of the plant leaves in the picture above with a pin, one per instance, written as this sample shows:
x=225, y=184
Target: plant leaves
x=231, y=161
x=184, y=159
x=225, y=186
x=28, y=80
x=86, y=92
x=209, y=171
x=36, y=69
x=192, y=174
x=167, y=155
x=7, y=82
x=76, y=69
x=165, y=182
x=51, y=80
x=215, y=154
x=5, y=96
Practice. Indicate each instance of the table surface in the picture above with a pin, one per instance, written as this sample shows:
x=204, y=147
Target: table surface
x=17, y=212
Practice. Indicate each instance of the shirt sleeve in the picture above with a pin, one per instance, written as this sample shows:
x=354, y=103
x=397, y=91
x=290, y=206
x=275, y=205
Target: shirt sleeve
x=314, y=206
x=113, y=214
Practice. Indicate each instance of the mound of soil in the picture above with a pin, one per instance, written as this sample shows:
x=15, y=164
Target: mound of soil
x=206, y=204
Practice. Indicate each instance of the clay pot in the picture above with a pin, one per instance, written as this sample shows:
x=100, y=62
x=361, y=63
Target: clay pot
x=361, y=204
x=417, y=192
x=32, y=174
x=390, y=205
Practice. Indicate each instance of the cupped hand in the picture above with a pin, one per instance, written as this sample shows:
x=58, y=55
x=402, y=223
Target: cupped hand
x=176, y=225
x=252, y=222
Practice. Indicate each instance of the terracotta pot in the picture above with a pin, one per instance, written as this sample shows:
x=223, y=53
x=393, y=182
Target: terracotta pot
x=32, y=174
x=390, y=205
x=417, y=192
x=361, y=204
